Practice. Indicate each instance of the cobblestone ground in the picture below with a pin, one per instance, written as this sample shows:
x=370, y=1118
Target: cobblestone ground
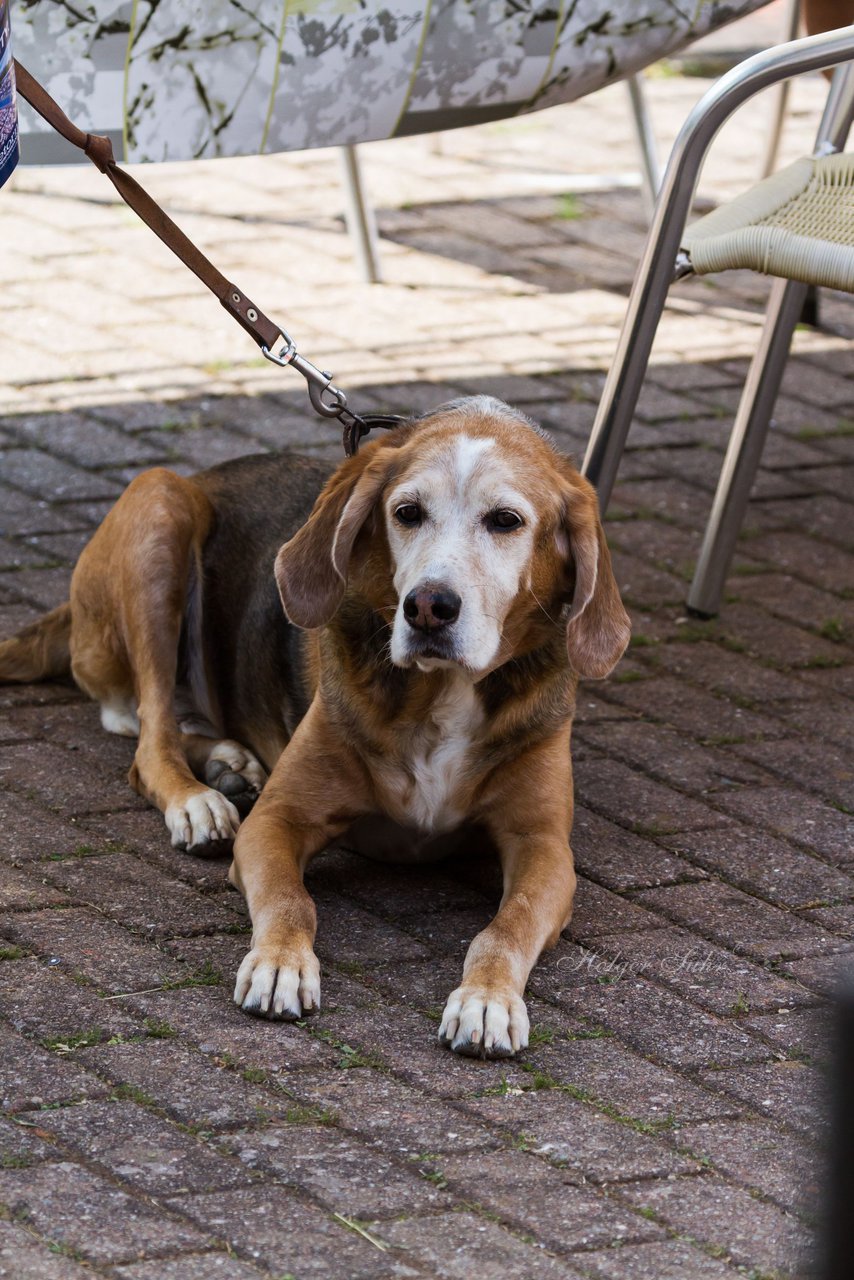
x=667, y=1119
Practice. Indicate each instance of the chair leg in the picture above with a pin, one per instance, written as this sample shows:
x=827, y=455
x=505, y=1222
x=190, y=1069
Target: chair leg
x=650, y=170
x=744, y=450
x=646, y=303
x=745, y=446
x=360, y=218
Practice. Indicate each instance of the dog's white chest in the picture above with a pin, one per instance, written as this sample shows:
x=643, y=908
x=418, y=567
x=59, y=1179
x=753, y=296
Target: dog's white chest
x=422, y=789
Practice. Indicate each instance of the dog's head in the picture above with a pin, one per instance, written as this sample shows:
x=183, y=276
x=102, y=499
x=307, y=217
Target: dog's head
x=471, y=536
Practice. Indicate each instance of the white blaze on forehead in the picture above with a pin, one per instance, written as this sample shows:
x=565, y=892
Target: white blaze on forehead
x=468, y=453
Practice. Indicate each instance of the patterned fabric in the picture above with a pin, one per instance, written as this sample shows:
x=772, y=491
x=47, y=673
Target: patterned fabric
x=199, y=78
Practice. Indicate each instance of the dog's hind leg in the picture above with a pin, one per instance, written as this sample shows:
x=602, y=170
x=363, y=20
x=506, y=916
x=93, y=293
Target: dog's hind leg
x=128, y=599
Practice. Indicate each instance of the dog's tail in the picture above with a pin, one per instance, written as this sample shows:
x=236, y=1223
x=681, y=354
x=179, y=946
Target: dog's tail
x=40, y=651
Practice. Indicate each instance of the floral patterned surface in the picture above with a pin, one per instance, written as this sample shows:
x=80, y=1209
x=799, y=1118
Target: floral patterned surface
x=174, y=79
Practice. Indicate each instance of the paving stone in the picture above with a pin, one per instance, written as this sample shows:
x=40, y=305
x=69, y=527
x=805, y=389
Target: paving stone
x=756, y=1154
x=346, y=932
x=65, y=781
x=270, y=1226
x=38, y=472
x=198, y=1266
x=764, y=866
x=23, y=1141
x=675, y=760
x=664, y=1260
x=642, y=585
x=77, y=1209
x=185, y=1084
x=59, y=546
x=14, y=555
x=21, y=891
x=815, y=561
x=424, y=984
x=600, y=1067
x=822, y=974
x=44, y=587
x=709, y=717
x=77, y=726
x=630, y=798
x=597, y=911
x=748, y=925
x=449, y=933
x=406, y=1043
x=390, y=1114
x=39, y=998
x=733, y=674
x=24, y=515
x=806, y=1033
x=456, y=1246
x=828, y=771
x=526, y=1192
x=615, y=858
x=142, y=1149
x=588, y=1142
x=339, y=1171
x=750, y=1233
x=725, y=983
x=661, y=1024
x=820, y=720
x=82, y=440
x=31, y=1077
x=31, y=832
x=783, y=644
x=140, y=896
x=209, y=1018
x=802, y=602
x=800, y=817
x=103, y=952
x=143, y=832
x=789, y=1092
x=22, y=1257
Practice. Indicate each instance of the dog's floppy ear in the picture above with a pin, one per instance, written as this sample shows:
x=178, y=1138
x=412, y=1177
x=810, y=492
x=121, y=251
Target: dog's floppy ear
x=311, y=569
x=598, y=627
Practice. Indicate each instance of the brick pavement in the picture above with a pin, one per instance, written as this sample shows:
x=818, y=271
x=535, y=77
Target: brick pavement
x=666, y=1121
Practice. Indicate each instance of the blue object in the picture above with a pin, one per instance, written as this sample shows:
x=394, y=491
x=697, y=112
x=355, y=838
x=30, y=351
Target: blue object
x=8, y=109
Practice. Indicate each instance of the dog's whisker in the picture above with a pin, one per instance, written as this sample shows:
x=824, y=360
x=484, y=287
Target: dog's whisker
x=541, y=606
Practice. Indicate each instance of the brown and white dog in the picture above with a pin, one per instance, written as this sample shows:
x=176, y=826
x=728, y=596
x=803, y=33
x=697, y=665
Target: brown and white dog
x=441, y=598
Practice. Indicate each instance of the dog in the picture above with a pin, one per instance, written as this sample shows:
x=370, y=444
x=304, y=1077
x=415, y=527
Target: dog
x=400, y=656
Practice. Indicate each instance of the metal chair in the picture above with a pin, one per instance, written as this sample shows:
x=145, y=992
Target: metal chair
x=662, y=262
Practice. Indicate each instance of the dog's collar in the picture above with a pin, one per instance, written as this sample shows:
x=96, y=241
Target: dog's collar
x=357, y=426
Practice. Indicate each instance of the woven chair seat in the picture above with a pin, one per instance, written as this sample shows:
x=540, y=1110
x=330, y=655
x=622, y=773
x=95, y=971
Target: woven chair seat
x=799, y=224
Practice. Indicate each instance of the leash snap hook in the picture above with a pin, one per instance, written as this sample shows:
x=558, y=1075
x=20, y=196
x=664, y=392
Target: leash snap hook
x=283, y=357
x=320, y=384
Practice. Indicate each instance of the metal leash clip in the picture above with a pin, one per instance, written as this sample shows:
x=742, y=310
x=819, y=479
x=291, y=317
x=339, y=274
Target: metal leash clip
x=319, y=385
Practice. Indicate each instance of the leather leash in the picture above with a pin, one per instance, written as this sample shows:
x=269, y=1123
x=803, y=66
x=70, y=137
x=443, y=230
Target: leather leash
x=327, y=400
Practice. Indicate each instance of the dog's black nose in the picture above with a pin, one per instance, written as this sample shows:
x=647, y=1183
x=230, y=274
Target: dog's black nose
x=430, y=608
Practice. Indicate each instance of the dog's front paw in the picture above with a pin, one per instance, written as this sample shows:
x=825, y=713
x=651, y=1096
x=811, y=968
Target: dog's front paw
x=484, y=1023
x=204, y=824
x=274, y=982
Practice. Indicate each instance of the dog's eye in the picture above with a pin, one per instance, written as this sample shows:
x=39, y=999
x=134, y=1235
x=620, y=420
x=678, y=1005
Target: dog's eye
x=409, y=513
x=503, y=520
